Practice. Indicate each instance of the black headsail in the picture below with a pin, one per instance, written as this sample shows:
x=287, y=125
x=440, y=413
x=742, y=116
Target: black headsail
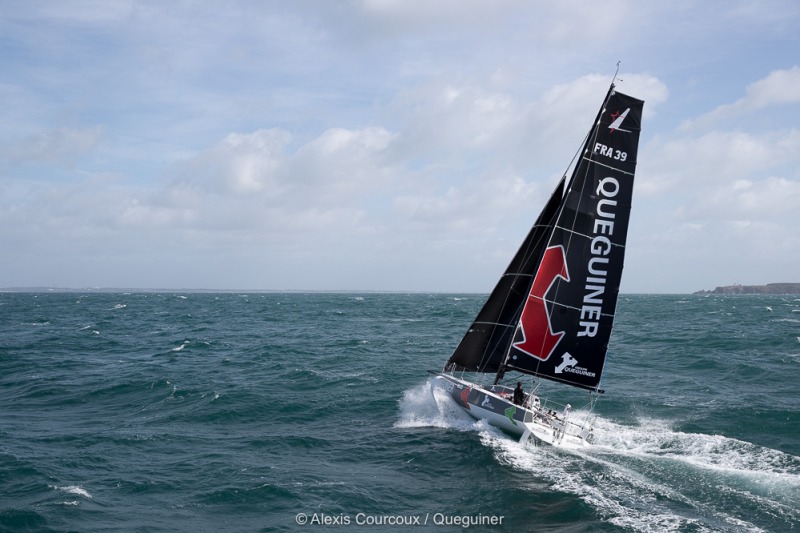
x=485, y=345
x=565, y=326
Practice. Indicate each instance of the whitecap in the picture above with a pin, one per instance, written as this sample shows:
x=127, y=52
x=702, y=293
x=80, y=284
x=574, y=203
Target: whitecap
x=181, y=347
x=73, y=489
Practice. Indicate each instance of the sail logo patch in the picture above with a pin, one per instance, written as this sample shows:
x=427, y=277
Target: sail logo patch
x=538, y=338
x=570, y=365
x=618, y=119
x=566, y=361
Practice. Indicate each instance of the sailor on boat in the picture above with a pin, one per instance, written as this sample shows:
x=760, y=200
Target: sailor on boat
x=519, y=394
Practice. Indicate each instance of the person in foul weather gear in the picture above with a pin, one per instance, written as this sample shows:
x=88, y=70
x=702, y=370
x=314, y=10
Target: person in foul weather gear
x=519, y=394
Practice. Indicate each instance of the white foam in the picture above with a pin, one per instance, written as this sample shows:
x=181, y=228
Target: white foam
x=422, y=406
x=769, y=479
x=627, y=495
x=181, y=347
x=646, y=477
x=73, y=489
x=654, y=439
x=214, y=395
x=618, y=497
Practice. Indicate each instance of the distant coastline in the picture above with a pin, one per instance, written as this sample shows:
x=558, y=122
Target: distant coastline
x=769, y=288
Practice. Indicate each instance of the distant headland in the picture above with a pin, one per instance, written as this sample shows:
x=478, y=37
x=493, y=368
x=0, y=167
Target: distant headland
x=769, y=288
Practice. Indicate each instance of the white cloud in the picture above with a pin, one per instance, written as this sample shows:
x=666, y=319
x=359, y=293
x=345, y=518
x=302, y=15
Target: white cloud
x=780, y=87
x=61, y=146
x=694, y=165
x=242, y=164
x=770, y=199
x=319, y=141
x=344, y=164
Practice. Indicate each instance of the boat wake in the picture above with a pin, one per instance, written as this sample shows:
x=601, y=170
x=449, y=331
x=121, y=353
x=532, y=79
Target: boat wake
x=647, y=476
x=650, y=477
x=656, y=439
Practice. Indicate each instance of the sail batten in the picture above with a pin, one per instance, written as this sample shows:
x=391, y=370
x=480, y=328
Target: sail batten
x=608, y=166
x=588, y=236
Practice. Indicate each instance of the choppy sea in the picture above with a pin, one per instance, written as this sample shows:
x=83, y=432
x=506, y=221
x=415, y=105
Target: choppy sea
x=139, y=412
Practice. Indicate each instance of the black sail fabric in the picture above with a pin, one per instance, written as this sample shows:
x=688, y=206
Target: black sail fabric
x=564, y=329
x=485, y=345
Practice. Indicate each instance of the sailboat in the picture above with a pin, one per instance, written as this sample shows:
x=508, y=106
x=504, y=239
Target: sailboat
x=550, y=315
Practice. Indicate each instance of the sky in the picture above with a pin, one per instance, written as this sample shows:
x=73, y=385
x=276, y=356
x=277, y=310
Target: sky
x=388, y=145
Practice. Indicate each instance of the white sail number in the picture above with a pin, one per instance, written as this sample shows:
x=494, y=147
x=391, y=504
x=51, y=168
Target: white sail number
x=608, y=151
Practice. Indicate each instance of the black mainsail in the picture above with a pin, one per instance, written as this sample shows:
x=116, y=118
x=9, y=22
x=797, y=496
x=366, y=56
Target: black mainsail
x=551, y=313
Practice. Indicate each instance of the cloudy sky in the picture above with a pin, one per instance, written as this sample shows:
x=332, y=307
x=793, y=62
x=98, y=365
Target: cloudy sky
x=385, y=144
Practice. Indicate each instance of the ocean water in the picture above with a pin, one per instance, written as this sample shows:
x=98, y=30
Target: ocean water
x=313, y=412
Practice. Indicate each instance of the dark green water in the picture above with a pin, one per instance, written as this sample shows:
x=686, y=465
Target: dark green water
x=238, y=412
